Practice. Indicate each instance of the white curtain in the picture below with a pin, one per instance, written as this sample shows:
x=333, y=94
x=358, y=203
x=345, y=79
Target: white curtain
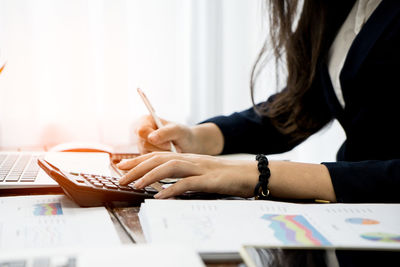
x=73, y=67
x=226, y=37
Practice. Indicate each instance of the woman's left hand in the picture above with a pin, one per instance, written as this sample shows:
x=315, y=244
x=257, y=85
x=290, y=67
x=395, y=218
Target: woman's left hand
x=200, y=172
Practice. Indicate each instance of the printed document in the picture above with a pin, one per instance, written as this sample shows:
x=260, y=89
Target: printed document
x=223, y=226
x=120, y=255
x=52, y=221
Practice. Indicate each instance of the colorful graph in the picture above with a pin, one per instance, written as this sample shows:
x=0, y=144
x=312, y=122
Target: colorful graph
x=361, y=221
x=382, y=237
x=295, y=230
x=47, y=209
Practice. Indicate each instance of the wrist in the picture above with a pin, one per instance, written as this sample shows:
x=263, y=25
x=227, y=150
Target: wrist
x=261, y=190
x=242, y=177
x=207, y=139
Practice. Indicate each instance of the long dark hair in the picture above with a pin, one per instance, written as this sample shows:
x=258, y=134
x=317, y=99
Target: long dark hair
x=302, y=47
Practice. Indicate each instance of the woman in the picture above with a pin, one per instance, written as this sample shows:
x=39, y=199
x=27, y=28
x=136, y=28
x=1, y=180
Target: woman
x=343, y=61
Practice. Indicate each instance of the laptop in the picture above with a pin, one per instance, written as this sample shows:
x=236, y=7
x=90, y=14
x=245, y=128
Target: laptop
x=20, y=171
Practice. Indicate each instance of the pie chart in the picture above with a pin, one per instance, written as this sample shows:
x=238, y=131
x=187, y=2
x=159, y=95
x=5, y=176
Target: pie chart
x=382, y=237
x=361, y=221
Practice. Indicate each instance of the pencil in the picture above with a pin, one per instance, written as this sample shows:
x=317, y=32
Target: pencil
x=154, y=115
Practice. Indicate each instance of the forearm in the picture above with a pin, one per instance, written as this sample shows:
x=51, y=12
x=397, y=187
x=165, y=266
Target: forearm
x=300, y=181
x=208, y=139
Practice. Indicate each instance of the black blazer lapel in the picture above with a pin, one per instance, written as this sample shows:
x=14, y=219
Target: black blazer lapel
x=369, y=34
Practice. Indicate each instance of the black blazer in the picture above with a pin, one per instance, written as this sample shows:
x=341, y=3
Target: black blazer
x=368, y=162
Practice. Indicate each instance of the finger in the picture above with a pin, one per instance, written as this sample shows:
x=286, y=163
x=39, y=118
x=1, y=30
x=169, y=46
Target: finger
x=169, y=132
x=170, y=169
x=141, y=165
x=135, y=173
x=145, y=147
x=146, y=126
x=160, y=147
x=144, y=131
x=133, y=162
x=140, y=146
x=188, y=184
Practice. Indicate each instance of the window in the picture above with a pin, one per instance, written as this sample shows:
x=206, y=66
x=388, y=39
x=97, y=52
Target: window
x=73, y=67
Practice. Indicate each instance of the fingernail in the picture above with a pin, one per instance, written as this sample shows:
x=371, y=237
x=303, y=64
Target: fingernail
x=121, y=163
x=158, y=195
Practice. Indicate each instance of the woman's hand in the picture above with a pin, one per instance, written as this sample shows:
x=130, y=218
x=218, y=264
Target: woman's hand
x=153, y=139
x=201, y=173
x=230, y=177
x=201, y=139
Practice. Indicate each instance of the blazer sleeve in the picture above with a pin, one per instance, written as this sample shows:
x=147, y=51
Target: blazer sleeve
x=248, y=132
x=366, y=181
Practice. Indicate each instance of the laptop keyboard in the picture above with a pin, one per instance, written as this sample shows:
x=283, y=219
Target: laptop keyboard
x=18, y=168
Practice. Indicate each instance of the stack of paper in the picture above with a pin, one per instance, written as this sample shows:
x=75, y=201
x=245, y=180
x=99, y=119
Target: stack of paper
x=221, y=227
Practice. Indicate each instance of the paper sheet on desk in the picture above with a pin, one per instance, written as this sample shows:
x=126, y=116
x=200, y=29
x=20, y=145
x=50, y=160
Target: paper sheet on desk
x=81, y=256
x=52, y=221
x=222, y=226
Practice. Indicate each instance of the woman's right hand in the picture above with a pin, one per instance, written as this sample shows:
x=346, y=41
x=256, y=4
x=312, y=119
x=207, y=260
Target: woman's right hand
x=153, y=139
x=200, y=139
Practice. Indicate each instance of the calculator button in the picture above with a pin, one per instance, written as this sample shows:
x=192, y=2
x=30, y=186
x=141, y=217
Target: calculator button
x=79, y=180
x=111, y=186
x=85, y=185
x=27, y=180
x=136, y=190
x=150, y=189
x=12, y=178
x=98, y=184
x=125, y=188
